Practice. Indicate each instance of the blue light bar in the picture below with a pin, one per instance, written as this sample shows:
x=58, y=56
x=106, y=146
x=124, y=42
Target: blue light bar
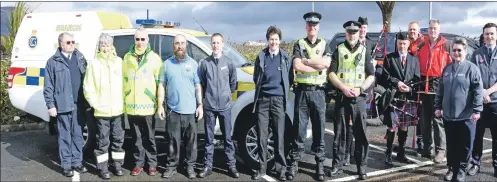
x=424, y=29
x=146, y=21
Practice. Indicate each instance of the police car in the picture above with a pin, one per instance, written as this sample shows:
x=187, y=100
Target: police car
x=36, y=41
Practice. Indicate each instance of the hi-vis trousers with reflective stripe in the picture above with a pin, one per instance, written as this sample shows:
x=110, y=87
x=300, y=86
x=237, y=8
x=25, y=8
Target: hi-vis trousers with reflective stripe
x=110, y=131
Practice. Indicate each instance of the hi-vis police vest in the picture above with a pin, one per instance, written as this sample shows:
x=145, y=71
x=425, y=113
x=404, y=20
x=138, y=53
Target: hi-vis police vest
x=314, y=78
x=140, y=83
x=349, y=73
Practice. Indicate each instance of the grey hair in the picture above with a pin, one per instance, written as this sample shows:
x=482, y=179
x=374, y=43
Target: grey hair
x=460, y=41
x=105, y=39
x=141, y=29
x=432, y=21
x=61, y=36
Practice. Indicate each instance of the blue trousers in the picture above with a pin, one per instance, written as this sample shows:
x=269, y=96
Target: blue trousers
x=460, y=136
x=210, y=124
x=70, y=138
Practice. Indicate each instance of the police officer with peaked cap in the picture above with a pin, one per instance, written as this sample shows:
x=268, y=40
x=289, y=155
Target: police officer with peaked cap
x=311, y=59
x=351, y=72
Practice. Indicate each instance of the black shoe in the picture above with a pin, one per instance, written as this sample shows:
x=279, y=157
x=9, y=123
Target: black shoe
x=257, y=175
x=104, y=174
x=204, y=173
x=169, y=173
x=81, y=169
x=191, y=172
x=292, y=172
x=347, y=160
x=334, y=171
x=118, y=172
x=473, y=170
x=388, y=159
x=233, y=172
x=402, y=158
x=448, y=175
x=361, y=173
x=68, y=173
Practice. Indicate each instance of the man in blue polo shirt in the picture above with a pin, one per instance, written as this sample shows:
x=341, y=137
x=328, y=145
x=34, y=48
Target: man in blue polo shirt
x=179, y=75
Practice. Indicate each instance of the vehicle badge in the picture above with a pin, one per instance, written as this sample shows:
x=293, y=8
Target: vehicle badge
x=188, y=68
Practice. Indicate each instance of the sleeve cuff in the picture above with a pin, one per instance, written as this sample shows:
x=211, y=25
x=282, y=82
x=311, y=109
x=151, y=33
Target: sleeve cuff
x=50, y=105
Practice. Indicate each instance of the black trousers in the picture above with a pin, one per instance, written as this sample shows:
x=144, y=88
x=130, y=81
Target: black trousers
x=460, y=136
x=342, y=139
x=488, y=120
x=110, y=133
x=428, y=121
x=210, y=124
x=271, y=114
x=345, y=109
x=143, y=134
x=308, y=104
x=181, y=127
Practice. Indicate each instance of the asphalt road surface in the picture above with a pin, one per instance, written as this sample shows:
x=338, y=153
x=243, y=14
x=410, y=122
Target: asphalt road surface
x=33, y=156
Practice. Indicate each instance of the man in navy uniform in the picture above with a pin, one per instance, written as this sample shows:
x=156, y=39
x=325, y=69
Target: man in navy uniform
x=351, y=72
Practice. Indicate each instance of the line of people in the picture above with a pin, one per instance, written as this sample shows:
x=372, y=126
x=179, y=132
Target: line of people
x=74, y=89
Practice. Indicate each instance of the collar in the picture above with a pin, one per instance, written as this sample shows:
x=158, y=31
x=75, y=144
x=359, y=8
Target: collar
x=492, y=47
x=273, y=53
x=218, y=56
x=400, y=54
x=310, y=43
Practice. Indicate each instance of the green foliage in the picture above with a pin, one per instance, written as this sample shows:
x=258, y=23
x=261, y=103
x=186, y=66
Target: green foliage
x=251, y=52
x=8, y=111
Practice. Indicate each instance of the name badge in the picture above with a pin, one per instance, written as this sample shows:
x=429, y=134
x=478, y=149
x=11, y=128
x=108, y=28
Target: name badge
x=460, y=74
x=188, y=68
x=224, y=67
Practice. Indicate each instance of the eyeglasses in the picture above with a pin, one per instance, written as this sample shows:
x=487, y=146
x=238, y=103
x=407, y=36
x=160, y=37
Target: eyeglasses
x=456, y=50
x=140, y=39
x=70, y=42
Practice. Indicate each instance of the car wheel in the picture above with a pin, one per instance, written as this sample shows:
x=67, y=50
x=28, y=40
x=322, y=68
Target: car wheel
x=249, y=151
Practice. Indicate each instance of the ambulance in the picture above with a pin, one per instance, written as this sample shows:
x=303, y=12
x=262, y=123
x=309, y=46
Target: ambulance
x=36, y=41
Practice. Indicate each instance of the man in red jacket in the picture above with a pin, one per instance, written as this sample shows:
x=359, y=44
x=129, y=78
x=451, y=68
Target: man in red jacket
x=433, y=57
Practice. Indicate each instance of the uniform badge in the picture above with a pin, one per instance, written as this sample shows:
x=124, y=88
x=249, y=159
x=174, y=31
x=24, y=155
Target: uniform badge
x=317, y=51
x=188, y=68
x=346, y=56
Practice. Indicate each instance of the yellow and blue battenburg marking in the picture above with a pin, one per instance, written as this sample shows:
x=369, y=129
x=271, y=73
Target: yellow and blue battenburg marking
x=32, y=77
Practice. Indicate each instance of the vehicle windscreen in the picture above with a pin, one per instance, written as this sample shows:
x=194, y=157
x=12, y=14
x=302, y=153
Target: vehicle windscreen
x=229, y=51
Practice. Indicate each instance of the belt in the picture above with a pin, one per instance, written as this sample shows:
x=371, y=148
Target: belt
x=306, y=87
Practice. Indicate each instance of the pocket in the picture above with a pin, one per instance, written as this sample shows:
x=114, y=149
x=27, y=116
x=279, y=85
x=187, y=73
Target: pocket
x=150, y=95
x=60, y=79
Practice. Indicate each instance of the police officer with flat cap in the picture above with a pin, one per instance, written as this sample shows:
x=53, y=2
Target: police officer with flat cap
x=351, y=72
x=311, y=60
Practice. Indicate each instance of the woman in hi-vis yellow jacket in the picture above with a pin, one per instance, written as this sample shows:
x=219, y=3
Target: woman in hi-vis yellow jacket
x=103, y=88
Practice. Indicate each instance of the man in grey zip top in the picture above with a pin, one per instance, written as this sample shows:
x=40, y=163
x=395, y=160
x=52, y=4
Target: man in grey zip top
x=218, y=79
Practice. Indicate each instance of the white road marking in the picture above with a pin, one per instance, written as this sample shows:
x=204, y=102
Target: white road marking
x=396, y=169
x=487, y=139
x=394, y=153
x=268, y=178
x=76, y=176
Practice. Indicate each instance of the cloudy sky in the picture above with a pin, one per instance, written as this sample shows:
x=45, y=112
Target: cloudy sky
x=242, y=21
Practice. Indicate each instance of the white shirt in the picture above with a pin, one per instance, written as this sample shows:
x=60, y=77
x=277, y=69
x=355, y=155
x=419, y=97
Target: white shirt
x=218, y=56
x=66, y=55
x=274, y=53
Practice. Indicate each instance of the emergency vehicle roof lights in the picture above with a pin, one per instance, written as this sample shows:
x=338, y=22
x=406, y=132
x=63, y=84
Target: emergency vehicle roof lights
x=153, y=22
x=423, y=29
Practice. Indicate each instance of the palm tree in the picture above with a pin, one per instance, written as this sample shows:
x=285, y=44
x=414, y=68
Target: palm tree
x=386, y=8
x=12, y=25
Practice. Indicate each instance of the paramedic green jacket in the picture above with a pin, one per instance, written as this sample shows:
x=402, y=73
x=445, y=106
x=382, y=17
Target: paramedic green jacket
x=141, y=79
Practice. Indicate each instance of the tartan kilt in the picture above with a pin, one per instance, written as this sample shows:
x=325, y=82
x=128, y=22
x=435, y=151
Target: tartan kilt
x=402, y=120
